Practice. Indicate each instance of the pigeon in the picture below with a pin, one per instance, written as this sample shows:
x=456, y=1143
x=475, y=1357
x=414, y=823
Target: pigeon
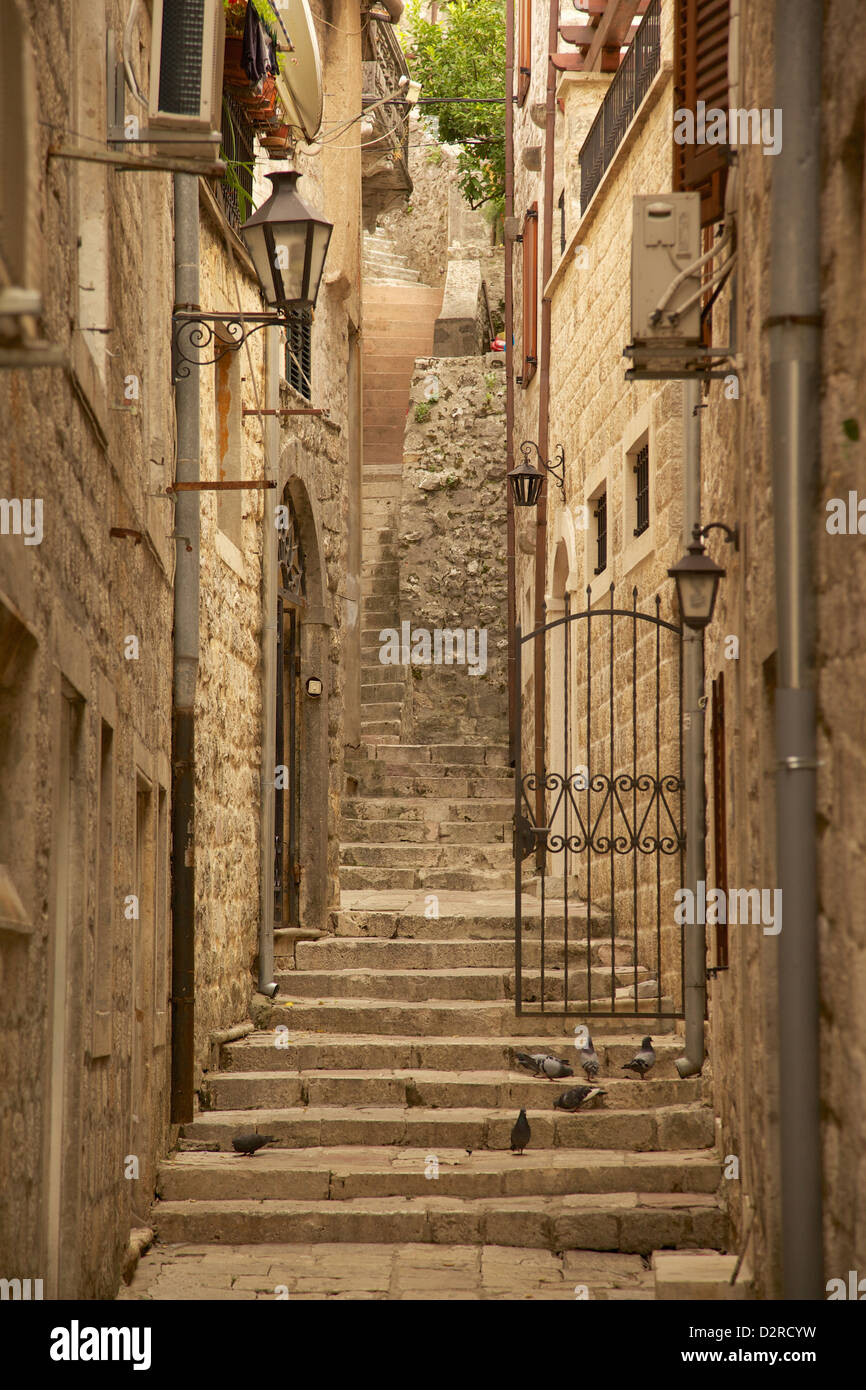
x=576, y=1097
x=643, y=1060
x=248, y=1143
x=544, y=1064
x=589, y=1060
x=520, y=1134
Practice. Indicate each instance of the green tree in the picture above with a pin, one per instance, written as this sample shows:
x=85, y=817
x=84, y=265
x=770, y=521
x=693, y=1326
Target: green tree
x=465, y=57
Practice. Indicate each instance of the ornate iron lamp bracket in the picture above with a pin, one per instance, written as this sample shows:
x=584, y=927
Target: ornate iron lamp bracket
x=528, y=447
x=193, y=333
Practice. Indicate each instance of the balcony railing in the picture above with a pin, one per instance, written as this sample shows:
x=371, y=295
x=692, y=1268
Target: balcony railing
x=622, y=99
x=385, y=154
x=235, y=189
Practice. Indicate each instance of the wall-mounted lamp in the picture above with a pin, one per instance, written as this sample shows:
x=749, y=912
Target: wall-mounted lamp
x=288, y=243
x=315, y=686
x=697, y=576
x=526, y=480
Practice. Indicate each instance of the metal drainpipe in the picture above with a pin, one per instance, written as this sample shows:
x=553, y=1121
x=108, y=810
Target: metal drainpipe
x=185, y=672
x=269, y=668
x=695, y=982
x=794, y=354
x=510, y=563
x=544, y=419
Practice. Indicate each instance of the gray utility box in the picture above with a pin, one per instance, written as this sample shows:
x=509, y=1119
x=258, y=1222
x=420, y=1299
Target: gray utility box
x=666, y=239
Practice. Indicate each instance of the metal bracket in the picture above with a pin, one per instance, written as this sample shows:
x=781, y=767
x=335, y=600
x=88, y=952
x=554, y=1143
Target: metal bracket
x=795, y=764
x=193, y=333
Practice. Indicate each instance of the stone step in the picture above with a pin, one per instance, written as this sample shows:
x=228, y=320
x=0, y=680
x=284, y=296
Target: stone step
x=380, y=709
x=342, y=953
x=484, y=984
x=423, y=296
x=663, y=1129
x=625, y=1222
x=335, y=1174
x=701, y=1275
x=426, y=810
x=309, y=1051
x=475, y=754
x=381, y=726
x=390, y=690
x=440, y=1018
x=437, y=1090
x=434, y=855
x=395, y=764
x=405, y=785
x=424, y=832
x=364, y=876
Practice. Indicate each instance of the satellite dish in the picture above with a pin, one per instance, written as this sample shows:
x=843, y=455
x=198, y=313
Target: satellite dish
x=300, y=82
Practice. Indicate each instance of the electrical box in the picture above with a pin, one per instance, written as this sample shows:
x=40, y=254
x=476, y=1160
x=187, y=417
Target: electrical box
x=666, y=241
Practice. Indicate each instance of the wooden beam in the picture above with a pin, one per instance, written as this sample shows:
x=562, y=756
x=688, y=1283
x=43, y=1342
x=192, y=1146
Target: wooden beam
x=615, y=21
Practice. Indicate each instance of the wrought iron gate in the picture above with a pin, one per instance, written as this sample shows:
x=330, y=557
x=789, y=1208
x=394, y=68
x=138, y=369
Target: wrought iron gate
x=598, y=829
x=290, y=600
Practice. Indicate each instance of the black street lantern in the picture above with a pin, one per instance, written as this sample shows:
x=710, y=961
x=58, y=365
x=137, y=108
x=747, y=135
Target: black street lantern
x=526, y=480
x=288, y=242
x=697, y=579
x=525, y=484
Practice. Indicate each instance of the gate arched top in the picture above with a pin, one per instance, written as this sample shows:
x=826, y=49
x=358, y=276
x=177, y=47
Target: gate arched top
x=305, y=535
x=654, y=619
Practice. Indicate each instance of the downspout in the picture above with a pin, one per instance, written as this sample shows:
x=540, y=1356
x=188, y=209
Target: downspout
x=544, y=418
x=269, y=668
x=795, y=383
x=185, y=670
x=695, y=981
x=510, y=564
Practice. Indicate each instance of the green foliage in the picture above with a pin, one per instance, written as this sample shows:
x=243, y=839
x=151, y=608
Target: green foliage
x=422, y=413
x=465, y=57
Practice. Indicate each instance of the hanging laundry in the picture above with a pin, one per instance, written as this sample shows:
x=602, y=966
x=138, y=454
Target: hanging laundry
x=258, y=54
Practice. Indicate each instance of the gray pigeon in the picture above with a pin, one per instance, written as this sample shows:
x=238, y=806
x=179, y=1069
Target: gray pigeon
x=589, y=1060
x=249, y=1143
x=643, y=1060
x=577, y=1096
x=544, y=1064
x=520, y=1134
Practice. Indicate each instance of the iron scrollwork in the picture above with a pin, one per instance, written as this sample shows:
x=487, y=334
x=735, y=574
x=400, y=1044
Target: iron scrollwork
x=194, y=333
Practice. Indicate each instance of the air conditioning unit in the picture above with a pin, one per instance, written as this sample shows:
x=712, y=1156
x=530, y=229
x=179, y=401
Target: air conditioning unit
x=666, y=241
x=186, y=75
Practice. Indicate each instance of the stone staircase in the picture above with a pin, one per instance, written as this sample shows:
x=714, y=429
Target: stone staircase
x=386, y=1071
x=382, y=260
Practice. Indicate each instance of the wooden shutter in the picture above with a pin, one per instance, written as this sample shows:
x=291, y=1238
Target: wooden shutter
x=720, y=815
x=524, y=50
x=530, y=294
x=701, y=74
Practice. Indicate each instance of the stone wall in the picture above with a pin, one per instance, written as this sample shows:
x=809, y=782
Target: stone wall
x=452, y=560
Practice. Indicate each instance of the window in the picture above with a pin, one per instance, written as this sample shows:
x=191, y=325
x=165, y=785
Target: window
x=701, y=74
x=530, y=295
x=720, y=815
x=561, y=205
x=299, y=352
x=238, y=150
x=524, y=50
x=600, y=515
x=641, y=495
x=103, y=945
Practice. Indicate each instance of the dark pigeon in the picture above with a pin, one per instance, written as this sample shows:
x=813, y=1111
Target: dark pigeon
x=577, y=1096
x=520, y=1134
x=249, y=1143
x=589, y=1060
x=642, y=1061
x=544, y=1064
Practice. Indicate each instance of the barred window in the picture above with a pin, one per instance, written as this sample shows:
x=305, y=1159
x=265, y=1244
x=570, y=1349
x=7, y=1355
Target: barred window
x=299, y=352
x=601, y=533
x=641, y=475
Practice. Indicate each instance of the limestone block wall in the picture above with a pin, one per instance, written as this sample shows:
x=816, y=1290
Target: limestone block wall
x=452, y=560
x=85, y=990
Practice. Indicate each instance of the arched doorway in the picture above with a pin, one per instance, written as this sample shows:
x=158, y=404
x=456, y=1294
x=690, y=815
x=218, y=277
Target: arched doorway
x=291, y=601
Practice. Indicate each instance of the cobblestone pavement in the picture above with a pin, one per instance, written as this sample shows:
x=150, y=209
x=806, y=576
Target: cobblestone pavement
x=431, y=1272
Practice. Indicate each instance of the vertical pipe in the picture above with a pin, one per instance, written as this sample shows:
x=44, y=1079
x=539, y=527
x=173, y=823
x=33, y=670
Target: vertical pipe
x=269, y=665
x=695, y=984
x=544, y=406
x=794, y=354
x=185, y=672
x=510, y=563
